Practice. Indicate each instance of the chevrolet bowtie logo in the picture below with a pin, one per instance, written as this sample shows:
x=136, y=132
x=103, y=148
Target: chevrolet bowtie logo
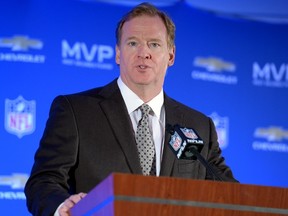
x=21, y=43
x=15, y=181
x=272, y=133
x=214, y=64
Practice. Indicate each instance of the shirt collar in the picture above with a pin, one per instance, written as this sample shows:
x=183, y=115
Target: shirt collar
x=132, y=101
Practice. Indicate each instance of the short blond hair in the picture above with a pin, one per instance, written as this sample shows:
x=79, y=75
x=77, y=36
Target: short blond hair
x=150, y=10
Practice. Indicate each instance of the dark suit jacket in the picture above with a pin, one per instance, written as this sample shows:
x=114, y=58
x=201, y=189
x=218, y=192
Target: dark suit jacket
x=89, y=135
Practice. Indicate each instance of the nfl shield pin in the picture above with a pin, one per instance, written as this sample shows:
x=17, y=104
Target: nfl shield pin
x=20, y=116
x=221, y=124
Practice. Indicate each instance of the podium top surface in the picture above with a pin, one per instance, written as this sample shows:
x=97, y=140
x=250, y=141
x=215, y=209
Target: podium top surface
x=180, y=193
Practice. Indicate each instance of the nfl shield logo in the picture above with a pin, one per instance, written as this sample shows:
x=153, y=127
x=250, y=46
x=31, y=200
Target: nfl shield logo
x=175, y=141
x=189, y=133
x=20, y=116
x=221, y=124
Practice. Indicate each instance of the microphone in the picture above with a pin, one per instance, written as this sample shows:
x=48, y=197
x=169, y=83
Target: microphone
x=187, y=144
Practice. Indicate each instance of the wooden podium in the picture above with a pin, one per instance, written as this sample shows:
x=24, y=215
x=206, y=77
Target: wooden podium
x=125, y=194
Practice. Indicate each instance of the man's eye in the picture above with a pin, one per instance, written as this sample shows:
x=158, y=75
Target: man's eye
x=132, y=43
x=154, y=45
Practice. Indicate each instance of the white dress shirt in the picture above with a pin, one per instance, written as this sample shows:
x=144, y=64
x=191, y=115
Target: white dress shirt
x=156, y=121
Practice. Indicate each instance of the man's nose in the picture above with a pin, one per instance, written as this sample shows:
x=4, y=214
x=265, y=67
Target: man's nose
x=144, y=52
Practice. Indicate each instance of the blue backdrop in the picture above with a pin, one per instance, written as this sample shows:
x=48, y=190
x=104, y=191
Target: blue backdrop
x=234, y=70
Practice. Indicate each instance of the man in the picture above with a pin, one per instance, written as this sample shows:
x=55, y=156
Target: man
x=91, y=134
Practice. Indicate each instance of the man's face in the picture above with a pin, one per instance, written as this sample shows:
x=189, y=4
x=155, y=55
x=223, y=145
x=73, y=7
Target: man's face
x=143, y=53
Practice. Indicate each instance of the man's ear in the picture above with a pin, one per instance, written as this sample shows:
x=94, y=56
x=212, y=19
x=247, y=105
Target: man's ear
x=172, y=56
x=117, y=56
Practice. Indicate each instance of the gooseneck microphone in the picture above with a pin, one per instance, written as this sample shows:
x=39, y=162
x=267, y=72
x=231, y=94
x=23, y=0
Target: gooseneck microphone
x=186, y=144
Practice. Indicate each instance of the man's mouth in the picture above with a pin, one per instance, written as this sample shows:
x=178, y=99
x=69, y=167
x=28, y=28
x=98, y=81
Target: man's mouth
x=142, y=66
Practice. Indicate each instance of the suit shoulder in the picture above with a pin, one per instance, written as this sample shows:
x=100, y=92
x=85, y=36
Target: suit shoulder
x=188, y=110
x=88, y=92
x=98, y=92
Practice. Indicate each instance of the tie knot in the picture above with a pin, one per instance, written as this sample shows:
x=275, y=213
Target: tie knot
x=145, y=109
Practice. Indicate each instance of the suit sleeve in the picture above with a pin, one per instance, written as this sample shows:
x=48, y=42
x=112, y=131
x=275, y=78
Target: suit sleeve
x=216, y=160
x=48, y=185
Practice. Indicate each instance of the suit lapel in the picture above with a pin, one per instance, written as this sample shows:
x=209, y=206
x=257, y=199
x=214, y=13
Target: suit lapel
x=114, y=108
x=173, y=116
x=116, y=112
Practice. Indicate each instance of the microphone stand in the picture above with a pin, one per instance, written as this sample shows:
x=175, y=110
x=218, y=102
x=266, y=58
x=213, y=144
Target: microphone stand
x=192, y=150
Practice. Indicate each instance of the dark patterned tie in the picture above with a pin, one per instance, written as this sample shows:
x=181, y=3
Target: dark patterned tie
x=145, y=143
